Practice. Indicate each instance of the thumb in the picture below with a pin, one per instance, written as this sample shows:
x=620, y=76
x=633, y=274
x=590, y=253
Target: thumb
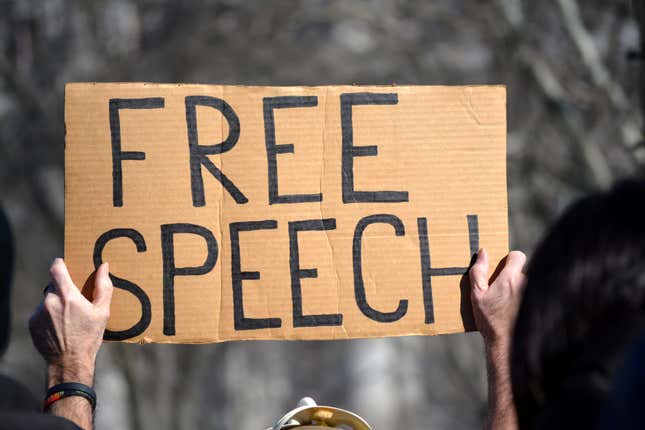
x=103, y=288
x=479, y=272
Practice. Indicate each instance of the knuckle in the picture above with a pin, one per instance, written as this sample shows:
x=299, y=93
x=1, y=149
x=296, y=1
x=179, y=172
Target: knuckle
x=475, y=271
x=504, y=285
x=517, y=254
x=477, y=296
x=108, y=289
x=518, y=257
x=56, y=267
x=504, y=276
x=73, y=301
x=479, y=287
x=518, y=283
x=70, y=299
x=50, y=303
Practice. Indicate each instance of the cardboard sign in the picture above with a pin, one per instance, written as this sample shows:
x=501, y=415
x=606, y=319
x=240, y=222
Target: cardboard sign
x=231, y=213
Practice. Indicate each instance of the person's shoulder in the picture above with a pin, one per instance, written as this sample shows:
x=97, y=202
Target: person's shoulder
x=16, y=397
x=34, y=421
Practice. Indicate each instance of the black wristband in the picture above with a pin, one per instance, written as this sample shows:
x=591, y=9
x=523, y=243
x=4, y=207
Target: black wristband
x=68, y=389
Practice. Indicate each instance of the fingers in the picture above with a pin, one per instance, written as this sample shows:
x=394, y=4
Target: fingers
x=103, y=288
x=61, y=281
x=515, y=261
x=520, y=282
x=512, y=273
x=48, y=288
x=479, y=272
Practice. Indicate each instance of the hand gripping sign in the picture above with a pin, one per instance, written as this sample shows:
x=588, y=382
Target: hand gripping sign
x=231, y=213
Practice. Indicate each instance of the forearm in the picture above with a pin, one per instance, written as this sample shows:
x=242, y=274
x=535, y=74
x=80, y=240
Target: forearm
x=501, y=409
x=74, y=408
x=67, y=330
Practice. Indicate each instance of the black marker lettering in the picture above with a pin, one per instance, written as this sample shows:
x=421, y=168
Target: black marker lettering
x=300, y=320
x=168, y=232
x=199, y=153
x=350, y=151
x=427, y=271
x=115, y=131
x=359, y=287
x=271, y=103
x=123, y=284
x=237, y=275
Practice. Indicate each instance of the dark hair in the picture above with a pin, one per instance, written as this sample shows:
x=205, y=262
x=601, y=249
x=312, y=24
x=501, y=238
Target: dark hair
x=625, y=408
x=584, y=300
x=6, y=269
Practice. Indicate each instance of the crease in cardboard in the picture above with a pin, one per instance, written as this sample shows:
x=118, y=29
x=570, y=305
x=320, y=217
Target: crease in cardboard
x=221, y=230
x=323, y=161
x=467, y=102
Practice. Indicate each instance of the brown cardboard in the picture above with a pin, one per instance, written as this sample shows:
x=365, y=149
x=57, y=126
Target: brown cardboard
x=444, y=146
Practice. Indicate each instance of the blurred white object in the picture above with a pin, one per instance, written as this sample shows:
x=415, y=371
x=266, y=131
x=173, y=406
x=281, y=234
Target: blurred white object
x=308, y=415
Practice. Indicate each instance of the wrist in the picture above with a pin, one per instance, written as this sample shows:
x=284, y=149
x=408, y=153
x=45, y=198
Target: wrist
x=499, y=345
x=498, y=360
x=71, y=371
x=497, y=340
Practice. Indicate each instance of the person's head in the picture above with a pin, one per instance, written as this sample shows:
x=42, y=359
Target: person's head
x=6, y=269
x=584, y=300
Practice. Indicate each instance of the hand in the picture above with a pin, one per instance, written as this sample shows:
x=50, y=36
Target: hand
x=67, y=329
x=495, y=306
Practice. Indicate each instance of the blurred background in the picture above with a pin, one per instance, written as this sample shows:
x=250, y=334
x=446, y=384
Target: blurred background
x=575, y=123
